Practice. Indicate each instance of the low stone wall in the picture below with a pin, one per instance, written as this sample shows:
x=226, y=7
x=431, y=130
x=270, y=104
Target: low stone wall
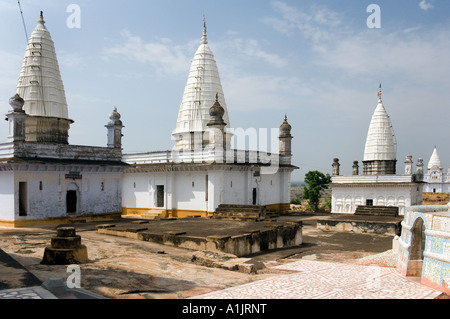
x=360, y=226
x=287, y=235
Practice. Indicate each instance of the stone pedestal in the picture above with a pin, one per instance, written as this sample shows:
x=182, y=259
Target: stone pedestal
x=65, y=249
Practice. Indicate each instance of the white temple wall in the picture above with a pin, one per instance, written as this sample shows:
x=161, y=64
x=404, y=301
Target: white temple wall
x=235, y=188
x=100, y=193
x=189, y=190
x=193, y=191
x=44, y=196
x=345, y=200
x=46, y=193
x=7, y=196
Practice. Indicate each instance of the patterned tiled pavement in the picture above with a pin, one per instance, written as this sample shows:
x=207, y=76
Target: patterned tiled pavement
x=328, y=280
x=27, y=293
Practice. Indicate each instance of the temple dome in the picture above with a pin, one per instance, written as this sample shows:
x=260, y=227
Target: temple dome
x=217, y=109
x=285, y=128
x=115, y=117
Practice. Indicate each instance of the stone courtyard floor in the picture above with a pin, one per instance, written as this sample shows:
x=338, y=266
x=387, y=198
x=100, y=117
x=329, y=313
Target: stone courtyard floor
x=328, y=265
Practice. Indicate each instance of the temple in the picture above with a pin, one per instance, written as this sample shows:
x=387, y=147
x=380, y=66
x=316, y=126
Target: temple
x=379, y=185
x=42, y=177
x=202, y=171
x=437, y=181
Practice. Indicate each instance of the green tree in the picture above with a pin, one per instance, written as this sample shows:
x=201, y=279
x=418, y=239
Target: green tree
x=316, y=182
x=297, y=200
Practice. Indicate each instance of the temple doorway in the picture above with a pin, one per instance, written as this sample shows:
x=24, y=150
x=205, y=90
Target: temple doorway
x=417, y=248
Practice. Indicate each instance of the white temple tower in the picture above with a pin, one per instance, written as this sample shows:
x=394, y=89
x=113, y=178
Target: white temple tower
x=380, y=150
x=379, y=185
x=41, y=87
x=43, y=178
x=203, y=84
x=436, y=179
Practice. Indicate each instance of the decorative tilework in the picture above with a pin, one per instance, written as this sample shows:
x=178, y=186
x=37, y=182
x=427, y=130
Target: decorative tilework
x=26, y=293
x=446, y=248
x=437, y=243
x=322, y=280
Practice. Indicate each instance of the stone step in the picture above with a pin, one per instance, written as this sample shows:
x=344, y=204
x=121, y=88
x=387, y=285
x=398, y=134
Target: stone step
x=391, y=211
x=153, y=215
x=243, y=212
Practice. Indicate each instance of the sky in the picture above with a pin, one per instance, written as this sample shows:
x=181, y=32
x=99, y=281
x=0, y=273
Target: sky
x=318, y=62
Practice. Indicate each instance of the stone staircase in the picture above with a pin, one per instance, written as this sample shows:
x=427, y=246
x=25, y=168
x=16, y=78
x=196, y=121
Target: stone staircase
x=243, y=212
x=155, y=214
x=386, y=211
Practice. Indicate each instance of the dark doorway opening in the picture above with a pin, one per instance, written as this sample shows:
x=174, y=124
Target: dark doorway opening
x=255, y=195
x=71, y=202
x=23, y=198
x=160, y=196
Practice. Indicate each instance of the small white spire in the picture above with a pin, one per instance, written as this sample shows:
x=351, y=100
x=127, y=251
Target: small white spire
x=435, y=161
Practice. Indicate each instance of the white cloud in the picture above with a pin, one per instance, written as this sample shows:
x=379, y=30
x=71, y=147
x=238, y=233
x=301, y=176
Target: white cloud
x=167, y=58
x=317, y=24
x=239, y=49
x=70, y=59
x=424, y=5
x=10, y=65
x=261, y=92
x=419, y=55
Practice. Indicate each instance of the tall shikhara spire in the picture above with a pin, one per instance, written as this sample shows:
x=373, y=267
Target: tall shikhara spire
x=380, y=151
x=40, y=83
x=202, y=85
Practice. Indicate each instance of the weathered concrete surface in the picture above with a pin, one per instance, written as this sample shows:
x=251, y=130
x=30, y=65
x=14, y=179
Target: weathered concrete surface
x=14, y=275
x=123, y=268
x=226, y=261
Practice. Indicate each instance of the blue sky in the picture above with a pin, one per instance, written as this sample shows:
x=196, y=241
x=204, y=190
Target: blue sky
x=316, y=61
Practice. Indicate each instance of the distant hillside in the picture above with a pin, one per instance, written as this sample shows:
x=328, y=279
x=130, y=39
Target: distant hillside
x=297, y=184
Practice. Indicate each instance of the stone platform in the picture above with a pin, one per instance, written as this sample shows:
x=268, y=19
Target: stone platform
x=384, y=225
x=244, y=213
x=232, y=237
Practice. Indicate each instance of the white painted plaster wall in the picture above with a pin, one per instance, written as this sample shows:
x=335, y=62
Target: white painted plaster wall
x=346, y=199
x=50, y=201
x=7, y=196
x=186, y=190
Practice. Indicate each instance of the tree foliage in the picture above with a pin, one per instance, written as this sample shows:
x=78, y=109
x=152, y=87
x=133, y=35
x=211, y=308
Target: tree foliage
x=316, y=182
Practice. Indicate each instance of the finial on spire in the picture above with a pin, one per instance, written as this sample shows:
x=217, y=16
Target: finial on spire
x=285, y=117
x=41, y=18
x=217, y=97
x=204, y=39
x=379, y=94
